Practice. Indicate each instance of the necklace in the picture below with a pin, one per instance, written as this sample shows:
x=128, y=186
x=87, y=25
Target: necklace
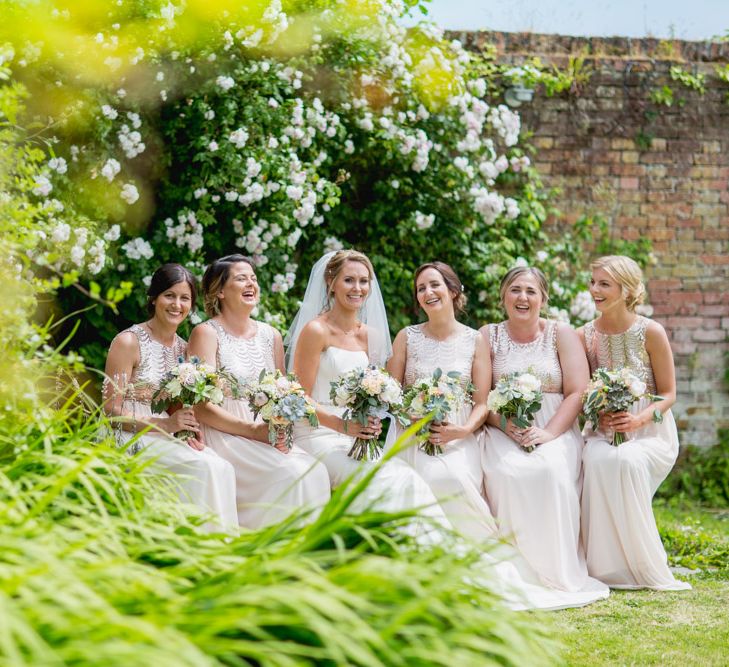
x=341, y=329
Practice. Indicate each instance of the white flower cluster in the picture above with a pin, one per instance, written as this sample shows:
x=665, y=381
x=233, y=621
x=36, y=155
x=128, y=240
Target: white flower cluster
x=129, y=193
x=42, y=186
x=422, y=221
x=138, y=248
x=110, y=169
x=186, y=232
x=283, y=282
x=332, y=244
x=131, y=139
x=507, y=123
x=583, y=307
x=58, y=164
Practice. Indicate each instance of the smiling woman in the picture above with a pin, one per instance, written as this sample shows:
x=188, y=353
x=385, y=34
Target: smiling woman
x=138, y=360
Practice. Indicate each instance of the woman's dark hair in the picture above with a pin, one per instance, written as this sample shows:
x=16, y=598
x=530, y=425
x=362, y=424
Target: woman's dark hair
x=451, y=280
x=215, y=277
x=165, y=277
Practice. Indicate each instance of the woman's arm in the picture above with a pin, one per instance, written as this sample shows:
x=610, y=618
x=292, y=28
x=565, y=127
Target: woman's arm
x=492, y=418
x=311, y=343
x=575, y=375
x=278, y=352
x=204, y=345
x=398, y=360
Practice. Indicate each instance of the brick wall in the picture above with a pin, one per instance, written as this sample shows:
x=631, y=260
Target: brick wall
x=662, y=175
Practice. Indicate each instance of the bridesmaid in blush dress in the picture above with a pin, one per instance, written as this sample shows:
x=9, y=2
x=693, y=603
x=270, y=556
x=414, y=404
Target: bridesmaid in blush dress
x=139, y=359
x=272, y=482
x=536, y=495
x=618, y=528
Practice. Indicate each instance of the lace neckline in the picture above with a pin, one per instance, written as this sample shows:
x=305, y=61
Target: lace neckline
x=532, y=343
x=459, y=330
x=147, y=335
x=245, y=339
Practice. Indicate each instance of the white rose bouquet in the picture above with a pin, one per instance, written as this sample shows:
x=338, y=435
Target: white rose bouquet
x=516, y=396
x=366, y=392
x=280, y=401
x=435, y=397
x=614, y=391
x=192, y=382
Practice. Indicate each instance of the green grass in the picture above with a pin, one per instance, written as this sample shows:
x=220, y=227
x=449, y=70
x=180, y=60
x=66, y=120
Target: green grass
x=662, y=628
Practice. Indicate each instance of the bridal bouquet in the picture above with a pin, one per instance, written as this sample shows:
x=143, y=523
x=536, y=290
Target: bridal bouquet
x=366, y=392
x=281, y=401
x=516, y=396
x=435, y=397
x=614, y=391
x=192, y=382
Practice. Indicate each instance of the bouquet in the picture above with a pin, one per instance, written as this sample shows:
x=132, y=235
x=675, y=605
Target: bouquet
x=281, y=401
x=435, y=397
x=614, y=391
x=516, y=396
x=190, y=383
x=366, y=392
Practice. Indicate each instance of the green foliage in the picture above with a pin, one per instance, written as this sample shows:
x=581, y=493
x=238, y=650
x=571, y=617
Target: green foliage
x=691, y=81
x=701, y=474
x=663, y=96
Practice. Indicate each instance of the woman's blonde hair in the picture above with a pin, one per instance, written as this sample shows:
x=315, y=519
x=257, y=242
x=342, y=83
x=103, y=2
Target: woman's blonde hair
x=513, y=274
x=626, y=272
x=336, y=264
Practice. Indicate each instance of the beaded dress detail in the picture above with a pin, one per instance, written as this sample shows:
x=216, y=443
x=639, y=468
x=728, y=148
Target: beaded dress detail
x=539, y=355
x=621, y=350
x=245, y=358
x=425, y=354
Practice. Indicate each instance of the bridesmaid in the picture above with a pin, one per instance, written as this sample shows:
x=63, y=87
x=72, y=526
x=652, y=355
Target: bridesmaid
x=535, y=496
x=272, y=482
x=138, y=360
x=442, y=342
x=618, y=528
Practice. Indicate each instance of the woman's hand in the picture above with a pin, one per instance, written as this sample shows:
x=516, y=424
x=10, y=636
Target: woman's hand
x=622, y=422
x=182, y=420
x=512, y=430
x=368, y=431
x=533, y=436
x=441, y=433
x=196, y=443
x=280, y=443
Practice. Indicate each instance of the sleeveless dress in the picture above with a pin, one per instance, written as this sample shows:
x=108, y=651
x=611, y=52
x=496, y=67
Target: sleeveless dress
x=455, y=475
x=202, y=477
x=622, y=543
x=536, y=496
x=395, y=486
x=270, y=484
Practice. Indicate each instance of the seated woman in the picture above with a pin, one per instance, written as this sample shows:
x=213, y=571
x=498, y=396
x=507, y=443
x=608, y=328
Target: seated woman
x=341, y=326
x=272, y=481
x=454, y=476
x=535, y=495
x=138, y=360
x=619, y=532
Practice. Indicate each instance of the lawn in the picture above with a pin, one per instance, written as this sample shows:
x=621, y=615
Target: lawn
x=652, y=628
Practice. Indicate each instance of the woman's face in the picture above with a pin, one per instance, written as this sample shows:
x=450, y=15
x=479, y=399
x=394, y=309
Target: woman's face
x=241, y=288
x=605, y=290
x=523, y=299
x=173, y=305
x=352, y=286
x=432, y=292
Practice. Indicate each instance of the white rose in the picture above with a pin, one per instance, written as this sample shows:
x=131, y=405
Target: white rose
x=528, y=384
x=637, y=388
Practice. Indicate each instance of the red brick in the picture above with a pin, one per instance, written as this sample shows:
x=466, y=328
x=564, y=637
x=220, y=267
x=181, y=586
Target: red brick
x=709, y=336
x=715, y=259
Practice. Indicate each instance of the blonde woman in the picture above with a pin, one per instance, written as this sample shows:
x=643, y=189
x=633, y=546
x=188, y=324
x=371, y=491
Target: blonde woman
x=272, y=482
x=619, y=532
x=535, y=495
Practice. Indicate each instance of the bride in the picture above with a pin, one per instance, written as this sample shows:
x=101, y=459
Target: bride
x=342, y=325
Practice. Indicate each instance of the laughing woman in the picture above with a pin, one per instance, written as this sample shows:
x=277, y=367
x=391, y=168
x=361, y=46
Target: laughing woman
x=272, y=482
x=138, y=360
x=535, y=495
x=618, y=528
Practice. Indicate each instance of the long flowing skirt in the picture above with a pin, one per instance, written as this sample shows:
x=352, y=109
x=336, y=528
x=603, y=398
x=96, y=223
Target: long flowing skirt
x=455, y=479
x=619, y=531
x=535, y=497
x=270, y=485
x=201, y=478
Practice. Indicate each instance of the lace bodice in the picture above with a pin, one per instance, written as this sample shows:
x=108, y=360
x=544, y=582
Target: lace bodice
x=155, y=361
x=333, y=362
x=425, y=354
x=540, y=355
x=615, y=351
x=245, y=358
